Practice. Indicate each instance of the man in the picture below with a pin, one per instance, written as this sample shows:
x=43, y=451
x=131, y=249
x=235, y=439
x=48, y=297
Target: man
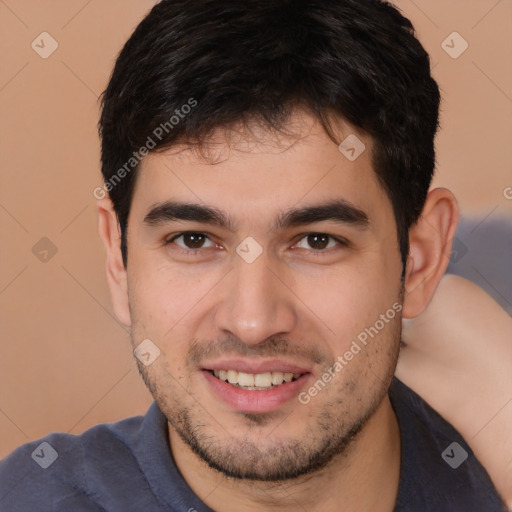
x=268, y=224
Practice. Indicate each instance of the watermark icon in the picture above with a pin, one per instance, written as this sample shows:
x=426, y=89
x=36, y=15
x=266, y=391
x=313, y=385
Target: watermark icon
x=44, y=45
x=351, y=147
x=454, y=455
x=138, y=156
x=249, y=249
x=454, y=45
x=459, y=250
x=44, y=250
x=146, y=352
x=304, y=397
x=45, y=455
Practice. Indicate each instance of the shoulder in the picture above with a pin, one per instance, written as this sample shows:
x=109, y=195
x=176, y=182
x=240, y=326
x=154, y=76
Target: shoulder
x=457, y=357
x=438, y=468
x=464, y=294
x=64, y=468
x=459, y=305
x=460, y=345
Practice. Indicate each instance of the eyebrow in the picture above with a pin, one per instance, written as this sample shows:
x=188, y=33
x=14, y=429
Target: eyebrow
x=339, y=211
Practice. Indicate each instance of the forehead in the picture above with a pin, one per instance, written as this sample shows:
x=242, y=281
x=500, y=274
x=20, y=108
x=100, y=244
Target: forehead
x=254, y=169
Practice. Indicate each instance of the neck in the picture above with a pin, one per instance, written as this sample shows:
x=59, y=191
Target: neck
x=365, y=477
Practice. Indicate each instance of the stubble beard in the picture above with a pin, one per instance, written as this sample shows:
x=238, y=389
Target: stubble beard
x=330, y=437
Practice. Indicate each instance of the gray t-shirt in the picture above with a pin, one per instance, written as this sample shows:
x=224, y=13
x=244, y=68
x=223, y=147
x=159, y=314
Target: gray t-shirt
x=128, y=466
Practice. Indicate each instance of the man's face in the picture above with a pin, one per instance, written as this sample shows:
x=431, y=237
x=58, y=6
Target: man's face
x=266, y=299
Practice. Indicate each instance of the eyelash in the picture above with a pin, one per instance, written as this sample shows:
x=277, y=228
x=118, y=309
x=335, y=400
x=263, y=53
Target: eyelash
x=315, y=252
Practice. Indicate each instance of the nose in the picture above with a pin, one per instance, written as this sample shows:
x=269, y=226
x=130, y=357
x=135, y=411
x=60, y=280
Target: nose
x=257, y=302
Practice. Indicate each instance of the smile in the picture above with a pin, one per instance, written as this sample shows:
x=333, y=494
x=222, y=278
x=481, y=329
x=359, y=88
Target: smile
x=255, y=390
x=255, y=381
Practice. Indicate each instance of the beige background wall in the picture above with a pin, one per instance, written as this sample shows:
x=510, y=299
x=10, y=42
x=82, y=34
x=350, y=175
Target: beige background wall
x=65, y=362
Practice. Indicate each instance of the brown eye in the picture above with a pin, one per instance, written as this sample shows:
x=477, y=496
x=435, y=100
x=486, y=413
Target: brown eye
x=318, y=241
x=191, y=240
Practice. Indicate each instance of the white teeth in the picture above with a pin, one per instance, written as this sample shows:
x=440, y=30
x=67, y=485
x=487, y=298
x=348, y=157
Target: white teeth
x=245, y=379
x=255, y=381
x=263, y=380
x=277, y=378
x=232, y=376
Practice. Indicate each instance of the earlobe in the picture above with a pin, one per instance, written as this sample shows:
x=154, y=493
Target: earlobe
x=430, y=242
x=117, y=279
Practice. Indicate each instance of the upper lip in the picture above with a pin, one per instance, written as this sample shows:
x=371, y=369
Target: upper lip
x=256, y=366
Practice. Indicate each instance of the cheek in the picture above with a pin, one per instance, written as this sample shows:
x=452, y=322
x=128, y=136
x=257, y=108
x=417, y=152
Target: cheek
x=166, y=307
x=162, y=295
x=346, y=301
x=350, y=294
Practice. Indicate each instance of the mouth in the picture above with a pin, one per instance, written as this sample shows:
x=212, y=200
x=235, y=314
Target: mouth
x=255, y=381
x=255, y=388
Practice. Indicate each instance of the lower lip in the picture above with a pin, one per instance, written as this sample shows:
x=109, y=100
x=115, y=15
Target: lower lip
x=245, y=400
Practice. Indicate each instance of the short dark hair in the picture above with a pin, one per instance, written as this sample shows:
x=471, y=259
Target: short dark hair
x=228, y=61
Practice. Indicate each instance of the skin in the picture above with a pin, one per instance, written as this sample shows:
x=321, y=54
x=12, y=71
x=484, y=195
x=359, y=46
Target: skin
x=457, y=356
x=296, y=302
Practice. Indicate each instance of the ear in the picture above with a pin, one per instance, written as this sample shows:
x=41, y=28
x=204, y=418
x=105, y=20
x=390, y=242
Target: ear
x=110, y=233
x=430, y=245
